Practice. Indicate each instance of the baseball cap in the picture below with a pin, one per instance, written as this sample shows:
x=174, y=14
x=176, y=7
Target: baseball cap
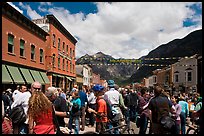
x=111, y=83
x=98, y=87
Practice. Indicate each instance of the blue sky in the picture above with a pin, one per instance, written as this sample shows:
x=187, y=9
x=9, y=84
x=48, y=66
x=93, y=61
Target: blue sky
x=128, y=30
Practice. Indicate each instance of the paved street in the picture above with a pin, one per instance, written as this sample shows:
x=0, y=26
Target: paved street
x=136, y=130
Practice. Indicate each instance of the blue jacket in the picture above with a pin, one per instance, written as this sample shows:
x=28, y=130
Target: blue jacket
x=83, y=98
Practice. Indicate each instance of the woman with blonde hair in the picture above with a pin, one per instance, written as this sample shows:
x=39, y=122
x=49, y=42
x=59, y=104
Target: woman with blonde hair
x=40, y=112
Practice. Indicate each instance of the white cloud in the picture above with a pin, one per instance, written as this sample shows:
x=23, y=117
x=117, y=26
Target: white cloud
x=46, y=3
x=126, y=29
x=31, y=13
x=10, y=3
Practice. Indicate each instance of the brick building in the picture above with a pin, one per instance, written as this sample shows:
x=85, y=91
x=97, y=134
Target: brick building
x=23, y=50
x=60, y=55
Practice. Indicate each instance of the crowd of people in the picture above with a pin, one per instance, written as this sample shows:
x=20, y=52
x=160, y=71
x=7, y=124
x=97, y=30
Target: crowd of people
x=46, y=110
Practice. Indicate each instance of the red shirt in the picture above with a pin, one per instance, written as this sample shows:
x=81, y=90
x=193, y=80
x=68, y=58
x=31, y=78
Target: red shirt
x=101, y=108
x=44, y=123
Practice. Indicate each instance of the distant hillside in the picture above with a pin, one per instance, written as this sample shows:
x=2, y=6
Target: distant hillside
x=188, y=46
x=124, y=74
x=119, y=73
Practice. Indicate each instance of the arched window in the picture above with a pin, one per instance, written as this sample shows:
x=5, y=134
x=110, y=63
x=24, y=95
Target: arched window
x=58, y=43
x=53, y=39
x=41, y=56
x=53, y=60
x=10, y=43
x=32, y=52
x=22, y=48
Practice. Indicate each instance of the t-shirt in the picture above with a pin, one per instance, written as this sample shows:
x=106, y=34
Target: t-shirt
x=60, y=105
x=160, y=106
x=101, y=108
x=15, y=94
x=112, y=96
x=23, y=99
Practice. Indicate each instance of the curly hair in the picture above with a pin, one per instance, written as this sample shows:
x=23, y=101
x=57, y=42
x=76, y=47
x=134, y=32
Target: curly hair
x=38, y=104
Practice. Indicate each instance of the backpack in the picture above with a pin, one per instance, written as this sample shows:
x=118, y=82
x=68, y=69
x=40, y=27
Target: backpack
x=112, y=113
x=17, y=115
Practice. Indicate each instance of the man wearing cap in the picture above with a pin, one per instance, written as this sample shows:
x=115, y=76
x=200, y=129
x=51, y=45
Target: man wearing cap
x=113, y=97
x=101, y=109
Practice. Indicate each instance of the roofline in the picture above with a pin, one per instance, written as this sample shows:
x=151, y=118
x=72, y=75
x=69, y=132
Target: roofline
x=7, y=9
x=63, y=30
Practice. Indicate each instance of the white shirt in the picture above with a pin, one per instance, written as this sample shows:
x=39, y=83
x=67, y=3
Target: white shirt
x=91, y=98
x=15, y=94
x=112, y=96
x=23, y=99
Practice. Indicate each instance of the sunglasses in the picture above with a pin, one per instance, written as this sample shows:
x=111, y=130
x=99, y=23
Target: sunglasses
x=36, y=88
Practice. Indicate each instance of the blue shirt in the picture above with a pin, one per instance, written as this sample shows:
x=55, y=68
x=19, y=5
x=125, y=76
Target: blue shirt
x=83, y=98
x=184, y=107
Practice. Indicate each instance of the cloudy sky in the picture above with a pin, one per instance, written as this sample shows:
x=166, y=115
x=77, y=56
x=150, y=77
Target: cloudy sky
x=120, y=29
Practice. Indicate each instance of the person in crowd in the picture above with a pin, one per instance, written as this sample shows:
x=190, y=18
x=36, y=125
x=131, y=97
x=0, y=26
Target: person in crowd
x=16, y=92
x=61, y=93
x=126, y=112
x=40, y=112
x=160, y=106
x=113, y=96
x=84, y=101
x=3, y=112
x=7, y=102
x=144, y=114
x=133, y=104
x=75, y=112
x=60, y=105
x=101, y=109
x=121, y=101
x=184, y=114
x=22, y=99
x=92, y=105
x=176, y=116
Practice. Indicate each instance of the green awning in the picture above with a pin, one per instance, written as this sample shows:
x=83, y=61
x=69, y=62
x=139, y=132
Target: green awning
x=57, y=75
x=68, y=78
x=37, y=76
x=5, y=76
x=44, y=76
x=27, y=75
x=16, y=75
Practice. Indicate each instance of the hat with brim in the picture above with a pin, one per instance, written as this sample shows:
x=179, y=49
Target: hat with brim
x=98, y=88
x=111, y=83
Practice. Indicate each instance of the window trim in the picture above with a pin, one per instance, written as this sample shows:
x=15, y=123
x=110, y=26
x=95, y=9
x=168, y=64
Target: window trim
x=34, y=59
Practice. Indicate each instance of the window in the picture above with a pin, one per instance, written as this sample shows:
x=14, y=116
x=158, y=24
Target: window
x=71, y=66
x=58, y=62
x=10, y=43
x=41, y=55
x=73, y=53
x=32, y=52
x=63, y=64
x=58, y=43
x=22, y=48
x=67, y=66
x=189, y=76
x=70, y=52
x=53, y=60
x=176, y=78
x=53, y=39
x=67, y=49
x=63, y=44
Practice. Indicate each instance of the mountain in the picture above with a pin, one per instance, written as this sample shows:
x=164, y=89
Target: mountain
x=108, y=70
x=187, y=46
x=124, y=74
